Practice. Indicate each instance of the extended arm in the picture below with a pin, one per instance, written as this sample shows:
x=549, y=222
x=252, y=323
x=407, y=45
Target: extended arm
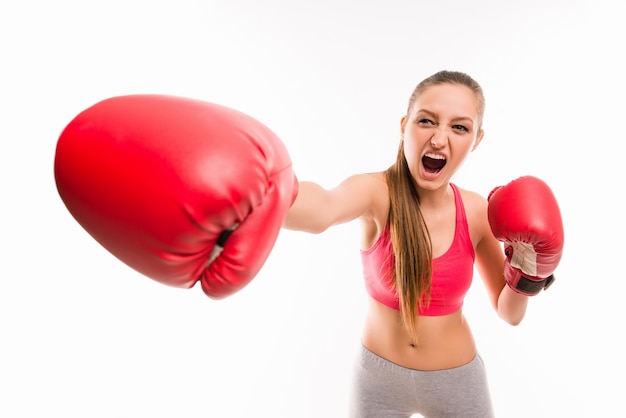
x=316, y=208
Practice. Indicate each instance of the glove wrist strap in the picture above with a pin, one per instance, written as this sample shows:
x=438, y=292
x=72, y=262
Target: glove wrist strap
x=532, y=287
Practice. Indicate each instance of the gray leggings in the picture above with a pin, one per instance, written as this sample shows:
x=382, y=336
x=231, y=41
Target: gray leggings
x=383, y=389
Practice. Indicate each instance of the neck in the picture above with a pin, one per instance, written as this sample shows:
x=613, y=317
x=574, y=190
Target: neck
x=436, y=197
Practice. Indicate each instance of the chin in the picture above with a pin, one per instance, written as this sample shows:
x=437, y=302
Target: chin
x=431, y=181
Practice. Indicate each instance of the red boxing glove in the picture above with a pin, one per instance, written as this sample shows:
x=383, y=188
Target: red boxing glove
x=525, y=215
x=180, y=190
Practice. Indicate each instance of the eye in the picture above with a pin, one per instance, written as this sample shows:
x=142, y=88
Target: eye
x=424, y=121
x=460, y=128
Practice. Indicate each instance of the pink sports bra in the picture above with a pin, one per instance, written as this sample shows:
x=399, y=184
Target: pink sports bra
x=452, y=272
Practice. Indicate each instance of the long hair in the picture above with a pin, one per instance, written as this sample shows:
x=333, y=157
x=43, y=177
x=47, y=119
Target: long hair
x=412, y=247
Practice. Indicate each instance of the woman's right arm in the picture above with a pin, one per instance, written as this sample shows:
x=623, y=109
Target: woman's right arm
x=316, y=209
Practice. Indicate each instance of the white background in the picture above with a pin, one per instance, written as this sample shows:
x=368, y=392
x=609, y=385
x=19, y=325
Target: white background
x=84, y=336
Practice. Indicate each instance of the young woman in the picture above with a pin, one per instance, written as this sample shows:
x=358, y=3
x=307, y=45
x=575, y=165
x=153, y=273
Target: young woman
x=420, y=237
x=421, y=234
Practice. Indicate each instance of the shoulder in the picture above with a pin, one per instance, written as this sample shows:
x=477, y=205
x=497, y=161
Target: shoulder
x=472, y=201
x=362, y=196
x=374, y=220
x=476, y=213
x=374, y=179
x=372, y=185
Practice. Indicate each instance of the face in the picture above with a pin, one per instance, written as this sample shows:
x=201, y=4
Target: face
x=439, y=133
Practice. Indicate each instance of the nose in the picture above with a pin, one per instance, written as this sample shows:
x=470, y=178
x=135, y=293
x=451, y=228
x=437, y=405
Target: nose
x=438, y=140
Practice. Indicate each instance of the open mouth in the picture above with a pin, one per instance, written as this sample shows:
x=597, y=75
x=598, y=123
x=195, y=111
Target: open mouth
x=433, y=163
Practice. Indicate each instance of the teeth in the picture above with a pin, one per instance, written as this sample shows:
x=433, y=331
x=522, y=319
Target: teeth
x=435, y=156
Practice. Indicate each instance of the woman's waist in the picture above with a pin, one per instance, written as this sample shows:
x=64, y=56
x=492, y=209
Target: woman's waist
x=443, y=341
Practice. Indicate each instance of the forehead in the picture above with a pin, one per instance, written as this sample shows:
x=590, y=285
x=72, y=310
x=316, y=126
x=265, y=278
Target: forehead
x=456, y=99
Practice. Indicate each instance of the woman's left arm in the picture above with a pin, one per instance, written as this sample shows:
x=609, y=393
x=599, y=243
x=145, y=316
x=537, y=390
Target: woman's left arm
x=524, y=214
x=510, y=305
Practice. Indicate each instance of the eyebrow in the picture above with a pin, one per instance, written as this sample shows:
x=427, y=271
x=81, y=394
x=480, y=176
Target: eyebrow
x=454, y=119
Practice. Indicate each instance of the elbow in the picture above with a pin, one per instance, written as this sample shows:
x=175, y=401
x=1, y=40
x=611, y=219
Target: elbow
x=512, y=321
x=512, y=315
x=513, y=318
x=511, y=306
x=305, y=227
x=316, y=230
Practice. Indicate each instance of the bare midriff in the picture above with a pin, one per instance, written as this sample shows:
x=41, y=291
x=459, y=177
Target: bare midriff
x=444, y=341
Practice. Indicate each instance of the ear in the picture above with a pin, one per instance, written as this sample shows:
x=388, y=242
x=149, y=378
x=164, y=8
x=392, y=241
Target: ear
x=479, y=138
x=402, y=126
